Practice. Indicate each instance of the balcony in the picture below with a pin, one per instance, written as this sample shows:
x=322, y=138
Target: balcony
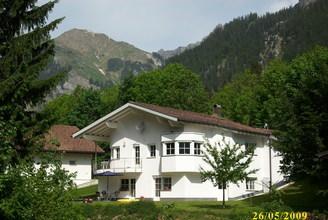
x=122, y=165
x=182, y=163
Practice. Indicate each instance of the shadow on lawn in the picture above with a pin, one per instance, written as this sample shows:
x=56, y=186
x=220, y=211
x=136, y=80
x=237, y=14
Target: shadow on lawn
x=213, y=206
x=300, y=196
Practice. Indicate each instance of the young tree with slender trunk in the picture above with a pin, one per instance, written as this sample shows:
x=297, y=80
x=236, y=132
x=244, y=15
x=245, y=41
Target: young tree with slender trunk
x=228, y=163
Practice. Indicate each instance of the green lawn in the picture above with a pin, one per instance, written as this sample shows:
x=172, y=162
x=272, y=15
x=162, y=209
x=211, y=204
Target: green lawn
x=89, y=191
x=297, y=197
x=301, y=196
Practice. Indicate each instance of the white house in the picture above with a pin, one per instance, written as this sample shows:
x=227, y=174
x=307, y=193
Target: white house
x=76, y=154
x=157, y=153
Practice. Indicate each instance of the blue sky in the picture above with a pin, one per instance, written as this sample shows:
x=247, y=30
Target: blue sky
x=155, y=24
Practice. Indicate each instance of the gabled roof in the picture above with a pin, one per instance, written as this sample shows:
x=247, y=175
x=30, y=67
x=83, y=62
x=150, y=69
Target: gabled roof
x=59, y=137
x=195, y=117
x=171, y=114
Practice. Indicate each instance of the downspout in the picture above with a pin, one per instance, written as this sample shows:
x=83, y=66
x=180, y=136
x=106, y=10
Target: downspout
x=270, y=165
x=95, y=163
x=270, y=159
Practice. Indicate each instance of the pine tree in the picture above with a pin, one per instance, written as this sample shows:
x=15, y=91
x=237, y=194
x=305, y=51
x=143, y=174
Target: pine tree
x=26, y=48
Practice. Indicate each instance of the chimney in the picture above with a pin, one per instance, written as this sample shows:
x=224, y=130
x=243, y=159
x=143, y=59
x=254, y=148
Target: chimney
x=217, y=110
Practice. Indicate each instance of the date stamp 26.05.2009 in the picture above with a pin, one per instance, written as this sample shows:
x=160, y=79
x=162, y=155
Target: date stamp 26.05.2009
x=286, y=216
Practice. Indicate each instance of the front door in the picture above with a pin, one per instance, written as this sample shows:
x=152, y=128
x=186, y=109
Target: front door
x=158, y=184
x=133, y=187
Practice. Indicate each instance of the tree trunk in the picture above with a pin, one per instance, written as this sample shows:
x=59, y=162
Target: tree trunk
x=223, y=197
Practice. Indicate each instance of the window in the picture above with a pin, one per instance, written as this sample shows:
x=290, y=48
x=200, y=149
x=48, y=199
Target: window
x=167, y=184
x=184, y=148
x=72, y=162
x=170, y=148
x=197, y=148
x=124, y=185
x=112, y=153
x=250, y=183
x=115, y=153
x=152, y=150
x=118, y=153
x=137, y=153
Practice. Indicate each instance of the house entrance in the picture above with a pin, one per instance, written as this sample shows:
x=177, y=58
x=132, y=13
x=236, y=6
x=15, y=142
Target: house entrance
x=158, y=184
x=133, y=187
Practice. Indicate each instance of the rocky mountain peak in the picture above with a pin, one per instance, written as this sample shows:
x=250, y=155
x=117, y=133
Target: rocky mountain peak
x=305, y=3
x=82, y=40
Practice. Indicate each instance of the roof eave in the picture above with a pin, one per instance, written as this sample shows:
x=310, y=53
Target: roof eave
x=108, y=116
x=226, y=127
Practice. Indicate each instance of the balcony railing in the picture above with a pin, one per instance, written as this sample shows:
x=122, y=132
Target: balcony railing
x=121, y=165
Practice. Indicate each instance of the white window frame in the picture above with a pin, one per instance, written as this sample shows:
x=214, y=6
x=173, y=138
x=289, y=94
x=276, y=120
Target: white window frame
x=183, y=148
x=171, y=149
x=124, y=189
x=200, y=148
x=115, y=153
x=164, y=183
x=163, y=179
x=250, y=183
x=150, y=150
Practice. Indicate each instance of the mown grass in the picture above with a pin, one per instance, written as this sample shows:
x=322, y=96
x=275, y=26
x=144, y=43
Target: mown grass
x=166, y=210
x=89, y=191
x=301, y=196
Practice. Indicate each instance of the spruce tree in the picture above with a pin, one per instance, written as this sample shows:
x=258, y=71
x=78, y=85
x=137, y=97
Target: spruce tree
x=26, y=48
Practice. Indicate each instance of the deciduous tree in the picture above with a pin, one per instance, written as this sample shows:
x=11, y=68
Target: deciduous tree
x=173, y=86
x=228, y=163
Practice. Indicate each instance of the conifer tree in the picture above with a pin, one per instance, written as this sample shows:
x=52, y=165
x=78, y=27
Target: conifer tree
x=26, y=48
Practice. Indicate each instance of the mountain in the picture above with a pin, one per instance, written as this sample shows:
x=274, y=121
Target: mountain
x=95, y=60
x=166, y=54
x=251, y=41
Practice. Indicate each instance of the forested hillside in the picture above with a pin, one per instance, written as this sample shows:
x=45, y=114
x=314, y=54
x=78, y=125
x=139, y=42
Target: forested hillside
x=250, y=42
x=291, y=98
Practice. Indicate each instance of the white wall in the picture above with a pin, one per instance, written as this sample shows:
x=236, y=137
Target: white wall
x=183, y=169
x=82, y=169
x=126, y=136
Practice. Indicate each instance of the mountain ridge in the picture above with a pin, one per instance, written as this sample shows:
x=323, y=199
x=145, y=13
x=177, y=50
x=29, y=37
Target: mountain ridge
x=94, y=60
x=252, y=41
